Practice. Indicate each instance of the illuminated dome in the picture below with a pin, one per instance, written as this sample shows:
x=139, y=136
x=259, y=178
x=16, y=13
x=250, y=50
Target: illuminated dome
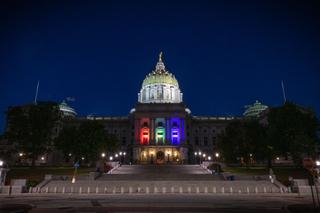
x=255, y=109
x=160, y=86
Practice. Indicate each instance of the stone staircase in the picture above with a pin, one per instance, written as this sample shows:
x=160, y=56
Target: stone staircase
x=151, y=179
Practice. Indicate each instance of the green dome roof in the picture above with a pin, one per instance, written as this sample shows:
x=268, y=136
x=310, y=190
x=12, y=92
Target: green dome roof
x=155, y=78
x=160, y=75
x=255, y=109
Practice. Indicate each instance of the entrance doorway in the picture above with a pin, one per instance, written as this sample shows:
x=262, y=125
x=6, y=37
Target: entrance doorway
x=160, y=157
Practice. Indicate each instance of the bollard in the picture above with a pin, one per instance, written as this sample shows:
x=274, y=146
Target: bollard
x=147, y=190
x=231, y=190
x=114, y=190
x=63, y=190
x=180, y=190
x=105, y=189
x=256, y=190
x=206, y=190
x=97, y=190
x=71, y=190
x=30, y=190
x=197, y=190
x=139, y=189
x=122, y=190
x=80, y=190
x=222, y=190
x=130, y=190
x=47, y=189
x=172, y=189
x=289, y=190
x=281, y=190
x=189, y=189
x=239, y=191
x=155, y=190
x=88, y=189
x=248, y=191
x=55, y=189
x=264, y=189
x=214, y=190
x=164, y=190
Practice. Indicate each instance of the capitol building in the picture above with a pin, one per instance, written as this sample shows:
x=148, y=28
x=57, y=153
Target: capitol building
x=160, y=128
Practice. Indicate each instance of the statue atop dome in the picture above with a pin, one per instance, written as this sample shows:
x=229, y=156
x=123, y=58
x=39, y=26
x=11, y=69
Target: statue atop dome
x=160, y=56
x=160, y=68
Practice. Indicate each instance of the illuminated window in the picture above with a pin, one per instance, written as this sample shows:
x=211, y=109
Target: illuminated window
x=144, y=136
x=160, y=135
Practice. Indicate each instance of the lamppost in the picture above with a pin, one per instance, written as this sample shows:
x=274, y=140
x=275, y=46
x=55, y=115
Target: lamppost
x=217, y=155
x=195, y=157
x=121, y=159
x=124, y=156
x=3, y=172
x=76, y=166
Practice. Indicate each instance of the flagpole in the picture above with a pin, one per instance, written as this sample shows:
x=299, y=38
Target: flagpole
x=36, y=96
x=283, y=92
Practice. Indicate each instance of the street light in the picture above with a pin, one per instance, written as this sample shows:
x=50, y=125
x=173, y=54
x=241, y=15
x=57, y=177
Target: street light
x=3, y=172
x=82, y=158
x=120, y=153
x=42, y=158
x=209, y=157
x=217, y=154
x=196, y=153
x=110, y=158
x=318, y=163
x=20, y=154
x=116, y=155
x=200, y=153
x=124, y=153
x=103, y=154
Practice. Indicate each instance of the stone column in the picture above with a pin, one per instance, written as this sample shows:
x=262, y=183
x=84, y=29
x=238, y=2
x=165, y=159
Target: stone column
x=152, y=130
x=168, y=131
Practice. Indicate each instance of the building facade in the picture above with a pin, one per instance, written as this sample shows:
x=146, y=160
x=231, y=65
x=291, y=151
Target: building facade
x=160, y=128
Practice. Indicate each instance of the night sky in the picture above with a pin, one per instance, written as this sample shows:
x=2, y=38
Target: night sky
x=225, y=54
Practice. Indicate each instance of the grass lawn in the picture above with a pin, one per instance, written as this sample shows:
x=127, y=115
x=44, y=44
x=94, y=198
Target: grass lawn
x=282, y=173
x=38, y=173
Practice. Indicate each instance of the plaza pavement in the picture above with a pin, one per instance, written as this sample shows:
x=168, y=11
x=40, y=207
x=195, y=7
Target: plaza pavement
x=158, y=203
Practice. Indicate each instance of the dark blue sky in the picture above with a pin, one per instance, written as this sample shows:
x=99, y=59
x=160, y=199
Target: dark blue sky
x=225, y=54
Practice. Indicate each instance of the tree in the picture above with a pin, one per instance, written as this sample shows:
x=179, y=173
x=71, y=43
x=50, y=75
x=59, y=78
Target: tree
x=291, y=130
x=30, y=127
x=88, y=141
x=242, y=139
